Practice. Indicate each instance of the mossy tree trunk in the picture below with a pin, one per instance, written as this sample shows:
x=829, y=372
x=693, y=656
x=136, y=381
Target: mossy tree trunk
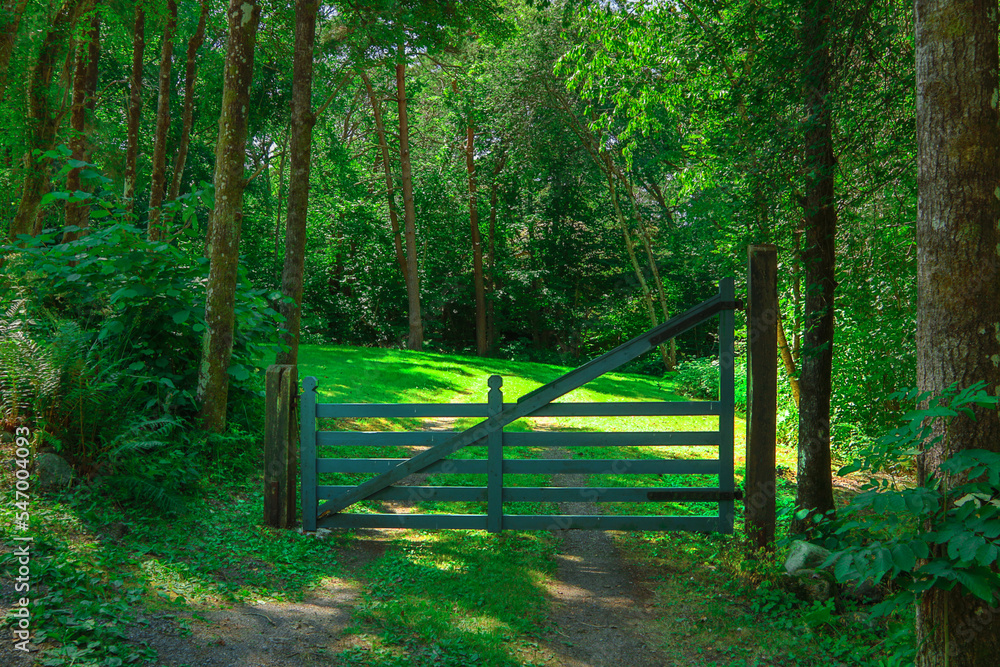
x=300, y=148
x=223, y=242
x=43, y=116
x=84, y=102
x=134, y=106
x=814, y=479
x=958, y=274
x=11, y=15
x=187, y=118
x=158, y=176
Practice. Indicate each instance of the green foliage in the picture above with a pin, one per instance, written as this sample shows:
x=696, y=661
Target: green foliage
x=943, y=533
x=137, y=306
x=699, y=378
x=86, y=613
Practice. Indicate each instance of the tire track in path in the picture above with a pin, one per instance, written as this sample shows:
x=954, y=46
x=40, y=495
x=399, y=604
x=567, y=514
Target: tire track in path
x=601, y=611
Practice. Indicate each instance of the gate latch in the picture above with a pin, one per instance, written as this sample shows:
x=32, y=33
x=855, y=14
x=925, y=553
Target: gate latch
x=695, y=495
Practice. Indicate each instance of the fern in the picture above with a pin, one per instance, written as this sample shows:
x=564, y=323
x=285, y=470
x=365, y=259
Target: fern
x=145, y=490
x=145, y=434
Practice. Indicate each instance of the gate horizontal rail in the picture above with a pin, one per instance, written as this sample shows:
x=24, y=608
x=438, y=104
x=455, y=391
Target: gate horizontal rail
x=440, y=445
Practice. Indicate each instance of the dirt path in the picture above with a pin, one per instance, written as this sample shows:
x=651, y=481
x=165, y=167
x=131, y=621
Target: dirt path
x=601, y=612
x=599, y=606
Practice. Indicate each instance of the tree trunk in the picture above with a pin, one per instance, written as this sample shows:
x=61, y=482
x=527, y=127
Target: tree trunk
x=278, y=255
x=815, y=481
x=223, y=237
x=786, y=358
x=187, y=120
x=298, y=177
x=158, y=176
x=134, y=106
x=390, y=194
x=415, y=339
x=477, y=243
x=493, y=281
x=8, y=35
x=43, y=119
x=647, y=295
x=958, y=274
x=647, y=244
x=84, y=90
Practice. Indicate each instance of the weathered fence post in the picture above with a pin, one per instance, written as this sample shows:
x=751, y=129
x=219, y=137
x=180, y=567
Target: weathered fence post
x=494, y=465
x=762, y=387
x=727, y=399
x=280, y=445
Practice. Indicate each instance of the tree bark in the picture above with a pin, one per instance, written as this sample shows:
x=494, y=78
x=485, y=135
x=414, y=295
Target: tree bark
x=14, y=10
x=958, y=274
x=158, y=176
x=298, y=177
x=43, y=119
x=187, y=119
x=786, y=358
x=84, y=90
x=477, y=243
x=389, y=186
x=134, y=106
x=223, y=237
x=493, y=281
x=815, y=480
x=415, y=339
x=278, y=255
x=647, y=244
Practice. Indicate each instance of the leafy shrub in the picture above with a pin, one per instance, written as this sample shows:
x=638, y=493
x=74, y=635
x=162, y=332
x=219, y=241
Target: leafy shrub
x=943, y=533
x=100, y=347
x=699, y=378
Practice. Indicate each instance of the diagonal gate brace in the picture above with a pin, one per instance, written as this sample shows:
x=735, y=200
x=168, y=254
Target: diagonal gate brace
x=535, y=400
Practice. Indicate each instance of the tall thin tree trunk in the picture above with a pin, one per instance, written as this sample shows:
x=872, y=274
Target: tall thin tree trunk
x=477, y=242
x=815, y=477
x=493, y=281
x=13, y=10
x=187, y=119
x=42, y=118
x=647, y=244
x=134, y=106
x=84, y=90
x=797, y=296
x=390, y=194
x=298, y=180
x=786, y=358
x=647, y=294
x=415, y=339
x=158, y=176
x=279, y=209
x=958, y=276
x=223, y=237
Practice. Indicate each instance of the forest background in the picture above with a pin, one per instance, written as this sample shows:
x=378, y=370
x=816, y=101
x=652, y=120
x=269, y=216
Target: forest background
x=557, y=178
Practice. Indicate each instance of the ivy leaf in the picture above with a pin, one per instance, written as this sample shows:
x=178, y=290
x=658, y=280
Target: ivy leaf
x=181, y=316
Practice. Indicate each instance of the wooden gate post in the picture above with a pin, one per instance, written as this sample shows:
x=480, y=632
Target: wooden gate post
x=494, y=461
x=762, y=387
x=280, y=446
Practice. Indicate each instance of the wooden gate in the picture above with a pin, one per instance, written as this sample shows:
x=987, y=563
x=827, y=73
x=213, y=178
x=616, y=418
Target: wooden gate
x=323, y=505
